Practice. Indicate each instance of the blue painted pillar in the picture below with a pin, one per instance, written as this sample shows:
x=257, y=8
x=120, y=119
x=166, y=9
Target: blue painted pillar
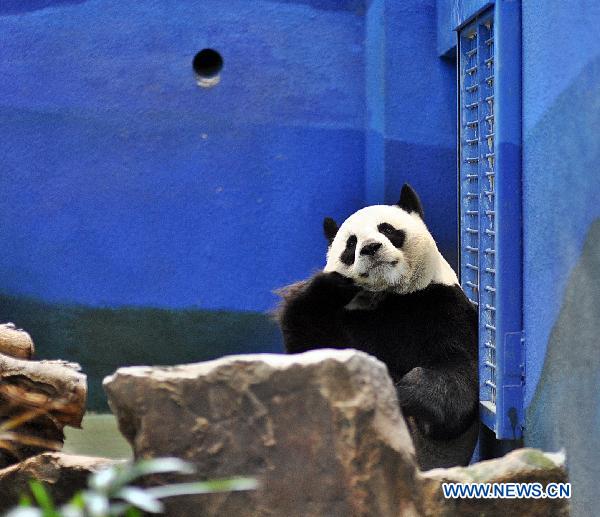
x=411, y=114
x=375, y=61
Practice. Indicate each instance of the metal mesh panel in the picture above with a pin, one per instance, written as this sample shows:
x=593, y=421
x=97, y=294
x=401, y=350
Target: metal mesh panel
x=489, y=55
x=477, y=177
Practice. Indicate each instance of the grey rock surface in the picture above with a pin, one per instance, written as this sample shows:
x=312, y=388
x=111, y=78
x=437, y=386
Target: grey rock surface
x=321, y=431
x=519, y=466
x=63, y=473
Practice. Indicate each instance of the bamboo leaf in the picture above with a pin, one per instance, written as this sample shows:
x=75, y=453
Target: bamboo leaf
x=103, y=479
x=96, y=504
x=71, y=510
x=140, y=498
x=204, y=487
x=24, y=512
x=41, y=496
x=25, y=501
x=162, y=465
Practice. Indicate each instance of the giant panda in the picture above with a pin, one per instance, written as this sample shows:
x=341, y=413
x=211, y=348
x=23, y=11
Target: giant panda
x=387, y=290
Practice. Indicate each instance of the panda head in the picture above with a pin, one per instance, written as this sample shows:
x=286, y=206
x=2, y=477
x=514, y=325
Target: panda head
x=387, y=248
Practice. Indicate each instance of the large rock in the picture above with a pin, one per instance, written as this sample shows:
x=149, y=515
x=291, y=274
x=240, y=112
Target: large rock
x=519, y=466
x=64, y=474
x=37, y=400
x=321, y=431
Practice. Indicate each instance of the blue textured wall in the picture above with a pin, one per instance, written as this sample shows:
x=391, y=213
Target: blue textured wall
x=452, y=14
x=420, y=98
x=411, y=108
x=561, y=228
x=375, y=93
x=152, y=219
x=561, y=189
x=146, y=220
x=129, y=185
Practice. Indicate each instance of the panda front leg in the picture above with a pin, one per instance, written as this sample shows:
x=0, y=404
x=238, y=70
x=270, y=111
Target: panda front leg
x=442, y=399
x=310, y=315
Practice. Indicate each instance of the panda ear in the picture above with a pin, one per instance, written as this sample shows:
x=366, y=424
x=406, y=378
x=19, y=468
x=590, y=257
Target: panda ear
x=330, y=228
x=410, y=202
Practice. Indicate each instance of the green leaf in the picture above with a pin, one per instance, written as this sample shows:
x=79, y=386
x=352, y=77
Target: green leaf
x=204, y=487
x=71, y=510
x=140, y=498
x=161, y=466
x=119, y=508
x=104, y=479
x=115, y=477
x=133, y=512
x=96, y=504
x=78, y=500
x=25, y=501
x=25, y=512
x=41, y=496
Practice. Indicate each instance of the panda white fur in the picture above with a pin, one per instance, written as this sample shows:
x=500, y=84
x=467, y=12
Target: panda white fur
x=387, y=290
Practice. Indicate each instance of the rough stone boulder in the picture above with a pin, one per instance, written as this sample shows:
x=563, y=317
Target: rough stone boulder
x=321, y=431
x=64, y=474
x=37, y=398
x=519, y=466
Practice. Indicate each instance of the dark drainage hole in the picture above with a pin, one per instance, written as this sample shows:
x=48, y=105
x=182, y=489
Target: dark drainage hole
x=207, y=65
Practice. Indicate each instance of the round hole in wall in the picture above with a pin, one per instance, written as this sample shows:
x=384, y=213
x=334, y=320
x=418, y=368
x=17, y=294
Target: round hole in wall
x=207, y=65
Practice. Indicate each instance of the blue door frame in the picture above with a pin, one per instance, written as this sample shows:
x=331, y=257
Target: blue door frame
x=489, y=163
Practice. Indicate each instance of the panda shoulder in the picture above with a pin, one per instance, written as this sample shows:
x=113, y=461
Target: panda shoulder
x=443, y=273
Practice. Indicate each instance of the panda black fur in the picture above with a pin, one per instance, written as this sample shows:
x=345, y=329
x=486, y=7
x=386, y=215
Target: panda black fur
x=386, y=290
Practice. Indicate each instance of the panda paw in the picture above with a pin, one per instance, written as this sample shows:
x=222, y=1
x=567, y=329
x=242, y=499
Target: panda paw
x=422, y=397
x=333, y=288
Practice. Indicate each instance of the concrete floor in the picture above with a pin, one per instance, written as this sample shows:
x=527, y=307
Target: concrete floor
x=99, y=436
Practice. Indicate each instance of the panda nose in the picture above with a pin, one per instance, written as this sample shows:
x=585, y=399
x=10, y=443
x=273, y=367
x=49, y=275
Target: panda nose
x=370, y=249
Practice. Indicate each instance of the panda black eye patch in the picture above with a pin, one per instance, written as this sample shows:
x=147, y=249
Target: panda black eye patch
x=396, y=237
x=348, y=256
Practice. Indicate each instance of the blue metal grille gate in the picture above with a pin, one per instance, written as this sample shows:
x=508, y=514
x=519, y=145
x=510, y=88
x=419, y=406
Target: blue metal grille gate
x=490, y=200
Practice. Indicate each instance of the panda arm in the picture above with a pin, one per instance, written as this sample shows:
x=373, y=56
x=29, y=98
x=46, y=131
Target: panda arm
x=310, y=315
x=443, y=398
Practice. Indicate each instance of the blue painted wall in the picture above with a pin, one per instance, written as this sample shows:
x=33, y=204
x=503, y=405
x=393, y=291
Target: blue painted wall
x=561, y=228
x=421, y=118
x=561, y=209
x=452, y=14
x=411, y=112
x=147, y=220
x=129, y=185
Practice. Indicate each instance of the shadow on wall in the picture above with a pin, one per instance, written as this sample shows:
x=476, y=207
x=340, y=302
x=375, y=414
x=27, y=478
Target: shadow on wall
x=103, y=339
x=565, y=411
